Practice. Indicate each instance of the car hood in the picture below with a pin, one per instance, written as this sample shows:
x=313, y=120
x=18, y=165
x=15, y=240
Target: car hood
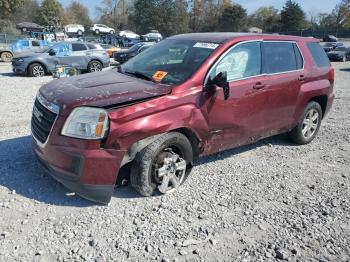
x=101, y=89
x=336, y=53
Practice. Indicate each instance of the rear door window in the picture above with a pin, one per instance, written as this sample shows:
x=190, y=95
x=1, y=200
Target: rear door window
x=278, y=57
x=35, y=43
x=318, y=54
x=78, y=47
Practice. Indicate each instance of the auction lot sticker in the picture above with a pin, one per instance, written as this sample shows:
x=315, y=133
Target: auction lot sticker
x=206, y=45
x=159, y=76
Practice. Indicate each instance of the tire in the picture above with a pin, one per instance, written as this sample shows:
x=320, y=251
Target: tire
x=301, y=137
x=80, y=32
x=6, y=56
x=171, y=154
x=111, y=32
x=124, y=36
x=343, y=59
x=97, y=32
x=94, y=66
x=36, y=70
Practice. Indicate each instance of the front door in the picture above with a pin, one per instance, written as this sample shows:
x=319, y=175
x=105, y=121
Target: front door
x=239, y=119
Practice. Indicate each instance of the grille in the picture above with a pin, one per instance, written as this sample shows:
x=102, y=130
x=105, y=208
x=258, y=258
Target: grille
x=42, y=121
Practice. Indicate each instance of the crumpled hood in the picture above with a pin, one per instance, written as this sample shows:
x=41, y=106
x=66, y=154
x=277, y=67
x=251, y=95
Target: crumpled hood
x=101, y=89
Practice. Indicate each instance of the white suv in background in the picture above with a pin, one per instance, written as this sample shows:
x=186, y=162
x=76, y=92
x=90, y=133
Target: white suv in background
x=128, y=34
x=100, y=28
x=74, y=29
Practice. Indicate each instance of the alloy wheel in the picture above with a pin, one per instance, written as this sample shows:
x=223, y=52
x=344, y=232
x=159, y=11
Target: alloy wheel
x=169, y=171
x=310, y=123
x=38, y=71
x=95, y=67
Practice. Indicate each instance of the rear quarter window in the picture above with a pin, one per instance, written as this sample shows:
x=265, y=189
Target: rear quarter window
x=279, y=57
x=318, y=54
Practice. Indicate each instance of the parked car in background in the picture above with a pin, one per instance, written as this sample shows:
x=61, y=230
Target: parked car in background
x=190, y=95
x=330, y=38
x=110, y=49
x=29, y=27
x=154, y=35
x=124, y=55
x=82, y=56
x=6, y=54
x=128, y=34
x=100, y=28
x=74, y=29
x=28, y=45
x=341, y=53
x=327, y=47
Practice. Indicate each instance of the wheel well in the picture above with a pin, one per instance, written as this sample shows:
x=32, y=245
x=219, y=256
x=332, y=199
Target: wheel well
x=191, y=136
x=39, y=64
x=322, y=100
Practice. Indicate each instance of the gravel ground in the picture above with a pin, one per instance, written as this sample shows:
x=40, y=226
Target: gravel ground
x=264, y=202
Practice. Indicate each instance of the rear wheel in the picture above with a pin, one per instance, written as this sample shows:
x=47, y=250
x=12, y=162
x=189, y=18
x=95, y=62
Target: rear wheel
x=6, y=56
x=95, y=66
x=163, y=165
x=309, y=125
x=36, y=70
x=343, y=59
x=80, y=32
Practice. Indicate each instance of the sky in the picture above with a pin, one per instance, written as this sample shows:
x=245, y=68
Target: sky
x=313, y=6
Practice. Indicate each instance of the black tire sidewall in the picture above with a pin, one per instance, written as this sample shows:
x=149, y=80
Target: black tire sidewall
x=296, y=134
x=30, y=69
x=141, y=171
x=90, y=63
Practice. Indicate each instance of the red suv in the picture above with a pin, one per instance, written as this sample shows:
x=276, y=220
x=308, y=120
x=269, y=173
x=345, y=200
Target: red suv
x=188, y=96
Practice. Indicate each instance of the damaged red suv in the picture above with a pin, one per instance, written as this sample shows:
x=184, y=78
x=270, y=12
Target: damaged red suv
x=188, y=96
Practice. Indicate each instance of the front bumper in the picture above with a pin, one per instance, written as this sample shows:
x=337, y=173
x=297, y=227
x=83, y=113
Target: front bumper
x=89, y=172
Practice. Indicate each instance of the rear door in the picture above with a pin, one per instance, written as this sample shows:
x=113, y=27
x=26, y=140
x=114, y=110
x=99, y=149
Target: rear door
x=283, y=67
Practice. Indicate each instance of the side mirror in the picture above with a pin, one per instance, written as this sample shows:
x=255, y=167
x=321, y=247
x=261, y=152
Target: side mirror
x=221, y=81
x=52, y=52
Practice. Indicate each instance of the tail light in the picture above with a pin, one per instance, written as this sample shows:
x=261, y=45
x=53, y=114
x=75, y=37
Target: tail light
x=331, y=78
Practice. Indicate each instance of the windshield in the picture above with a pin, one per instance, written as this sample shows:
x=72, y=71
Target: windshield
x=170, y=61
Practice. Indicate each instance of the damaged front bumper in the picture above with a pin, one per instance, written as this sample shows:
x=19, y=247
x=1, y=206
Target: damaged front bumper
x=90, y=173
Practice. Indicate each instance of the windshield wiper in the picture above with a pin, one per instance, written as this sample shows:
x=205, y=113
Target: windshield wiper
x=139, y=75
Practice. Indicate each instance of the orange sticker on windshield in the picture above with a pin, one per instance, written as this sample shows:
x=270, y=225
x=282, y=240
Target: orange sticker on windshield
x=159, y=76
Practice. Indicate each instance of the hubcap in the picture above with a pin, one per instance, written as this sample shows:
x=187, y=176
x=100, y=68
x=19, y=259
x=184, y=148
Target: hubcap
x=170, y=172
x=310, y=123
x=38, y=71
x=95, y=67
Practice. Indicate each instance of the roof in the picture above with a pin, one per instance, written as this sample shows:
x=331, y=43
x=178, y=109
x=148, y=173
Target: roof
x=221, y=37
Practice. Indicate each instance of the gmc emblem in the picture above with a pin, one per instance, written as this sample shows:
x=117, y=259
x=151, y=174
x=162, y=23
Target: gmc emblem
x=37, y=113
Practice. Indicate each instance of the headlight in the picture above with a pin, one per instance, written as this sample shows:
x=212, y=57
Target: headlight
x=86, y=123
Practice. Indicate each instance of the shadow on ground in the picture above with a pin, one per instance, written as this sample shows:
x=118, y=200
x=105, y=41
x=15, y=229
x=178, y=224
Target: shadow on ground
x=20, y=171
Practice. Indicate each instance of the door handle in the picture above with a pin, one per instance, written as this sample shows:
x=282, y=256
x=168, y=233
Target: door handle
x=302, y=78
x=259, y=85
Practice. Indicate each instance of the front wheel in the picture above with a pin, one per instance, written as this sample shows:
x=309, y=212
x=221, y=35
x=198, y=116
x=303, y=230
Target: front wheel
x=163, y=165
x=80, y=32
x=343, y=59
x=97, y=32
x=6, y=56
x=309, y=125
x=95, y=66
x=36, y=70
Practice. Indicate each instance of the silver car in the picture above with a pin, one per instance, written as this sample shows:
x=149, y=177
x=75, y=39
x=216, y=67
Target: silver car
x=87, y=57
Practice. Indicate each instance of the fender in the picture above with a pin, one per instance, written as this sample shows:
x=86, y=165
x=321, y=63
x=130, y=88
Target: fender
x=307, y=92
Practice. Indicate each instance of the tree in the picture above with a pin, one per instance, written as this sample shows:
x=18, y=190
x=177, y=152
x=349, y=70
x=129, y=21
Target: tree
x=27, y=11
x=9, y=7
x=50, y=13
x=77, y=13
x=233, y=19
x=115, y=13
x=167, y=16
x=292, y=17
x=266, y=18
